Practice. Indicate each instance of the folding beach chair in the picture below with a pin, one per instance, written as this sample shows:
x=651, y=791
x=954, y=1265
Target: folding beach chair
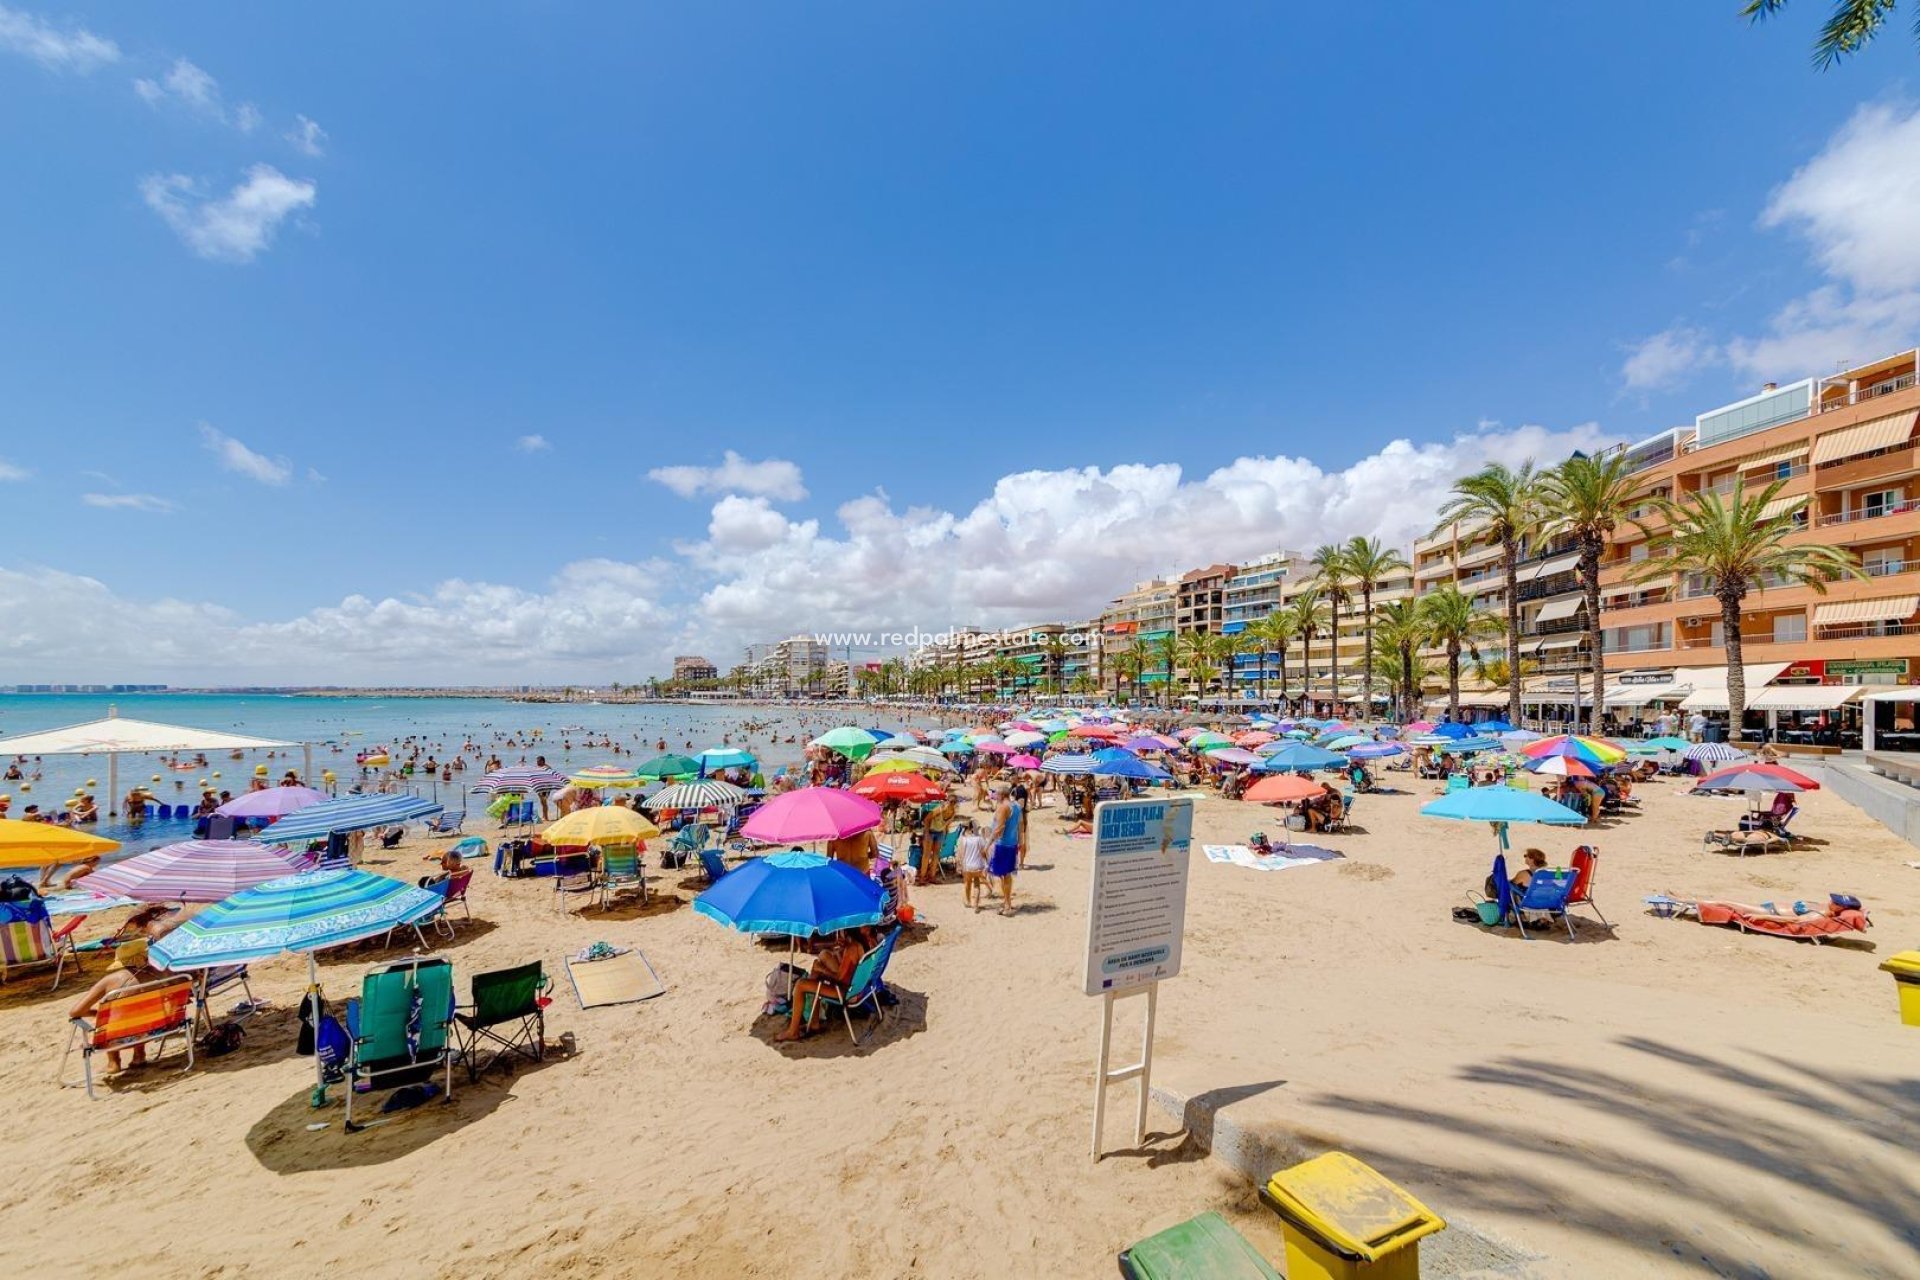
x=447, y=822
x=64, y=948
x=454, y=890
x=1457, y=782
x=208, y=983
x=1586, y=869
x=574, y=874
x=620, y=869
x=221, y=827
x=150, y=1013
x=863, y=988
x=400, y=1028
x=26, y=939
x=509, y=1009
x=1548, y=890
x=714, y=864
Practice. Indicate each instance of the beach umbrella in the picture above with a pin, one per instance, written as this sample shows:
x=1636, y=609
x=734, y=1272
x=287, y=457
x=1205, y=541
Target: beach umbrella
x=1124, y=764
x=1025, y=738
x=196, y=871
x=1233, y=755
x=1467, y=746
x=1501, y=806
x=725, y=758
x=1420, y=726
x=1595, y=751
x=811, y=813
x=1656, y=746
x=1252, y=738
x=1283, y=788
x=1712, y=751
x=910, y=788
x=1093, y=731
x=600, y=824
x=274, y=802
x=1451, y=729
x=1069, y=764
x=348, y=813
x=1561, y=767
x=1376, y=751
x=898, y=742
x=1298, y=757
x=956, y=748
x=1348, y=741
x=1024, y=761
x=1514, y=739
x=1799, y=781
x=896, y=764
x=606, y=777
x=795, y=893
x=301, y=913
x=855, y=744
x=522, y=779
x=1496, y=727
x=668, y=766
x=709, y=793
x=40, y=844
x=917, y=757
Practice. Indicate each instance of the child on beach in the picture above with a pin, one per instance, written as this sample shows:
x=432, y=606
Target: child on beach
x=972, y=851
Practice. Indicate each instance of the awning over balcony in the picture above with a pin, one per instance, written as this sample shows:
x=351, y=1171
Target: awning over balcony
x=1780, y=505
x=1564, y=642
x=1785, y=453
x=1804, y=697
x=1878, y=433
x=1639, y=695
x=1547, y=568
x=1558, y=610
x=1890, y=609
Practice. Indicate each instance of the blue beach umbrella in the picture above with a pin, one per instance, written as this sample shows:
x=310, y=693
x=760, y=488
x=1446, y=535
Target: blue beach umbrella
x=798, y=894
x=1300, y=757
x=1501, y=806
x=725, y=758
x=1467, y=746
x=1451, y=729
x=348, y=813
x=1495, y=726
x=1124, y=764
x=1377, y=751
x=1347, y=742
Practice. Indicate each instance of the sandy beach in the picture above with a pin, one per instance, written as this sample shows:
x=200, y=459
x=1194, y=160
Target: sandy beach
x=1663, y=1099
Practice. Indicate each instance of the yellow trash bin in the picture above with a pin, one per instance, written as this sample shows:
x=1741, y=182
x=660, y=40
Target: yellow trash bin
x=1905, y=968
x=1343, y=1220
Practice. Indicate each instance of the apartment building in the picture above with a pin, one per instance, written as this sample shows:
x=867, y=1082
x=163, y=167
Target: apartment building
x=691, y=669
x=1136, y=620
x=1200, y=599
x=789, y=668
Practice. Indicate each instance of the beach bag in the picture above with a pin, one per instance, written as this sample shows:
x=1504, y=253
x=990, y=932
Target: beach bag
x=16, y=889
x=222, y=1040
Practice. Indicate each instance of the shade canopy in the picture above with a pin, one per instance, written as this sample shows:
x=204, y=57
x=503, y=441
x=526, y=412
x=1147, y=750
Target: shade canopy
x=800, y=894
x=119, y=734
x=1299, y=756
x=606, y=775
x=1070, y=764
x=521, y=779
x=709, y=793
x=348, y=813
x=196, y=871
x=272, y=802
x=849, y=741
x=1502, y=805
x=306, y=912
x=811, y=813
x=1284, y=788
x=600, y=824
x=39, y=844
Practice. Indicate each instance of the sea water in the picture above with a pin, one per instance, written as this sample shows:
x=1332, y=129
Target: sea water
x=568, y=734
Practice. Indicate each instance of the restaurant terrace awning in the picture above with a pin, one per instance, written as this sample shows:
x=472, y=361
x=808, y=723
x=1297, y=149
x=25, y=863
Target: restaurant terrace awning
x=1878, y=433
x=1804, y=697
x=1557, y=610
x=1710, y=684
x=1639, y=695
x=1849, y=612
x=1547, y=568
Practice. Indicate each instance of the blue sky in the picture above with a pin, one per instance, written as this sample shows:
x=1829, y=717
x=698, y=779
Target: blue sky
x=912, y=251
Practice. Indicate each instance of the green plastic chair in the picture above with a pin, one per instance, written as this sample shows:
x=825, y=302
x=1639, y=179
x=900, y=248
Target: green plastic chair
x=416, y=992
x=509, y=1009
x=620, y=869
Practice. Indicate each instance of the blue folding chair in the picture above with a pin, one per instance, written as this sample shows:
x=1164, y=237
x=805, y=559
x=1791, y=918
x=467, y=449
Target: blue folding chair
x=863, y=988
x=1549, y=890
x=713, y=864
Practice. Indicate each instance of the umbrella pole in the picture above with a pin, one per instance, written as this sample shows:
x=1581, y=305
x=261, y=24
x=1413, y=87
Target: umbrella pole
x=319, y=1098
x=113, y=783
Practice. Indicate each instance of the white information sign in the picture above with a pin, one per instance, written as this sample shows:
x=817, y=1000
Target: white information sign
x=1139, y=909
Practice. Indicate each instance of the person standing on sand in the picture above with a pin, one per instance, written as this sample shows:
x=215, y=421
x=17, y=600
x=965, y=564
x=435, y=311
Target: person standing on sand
x=1005, y=859
x=856, y=851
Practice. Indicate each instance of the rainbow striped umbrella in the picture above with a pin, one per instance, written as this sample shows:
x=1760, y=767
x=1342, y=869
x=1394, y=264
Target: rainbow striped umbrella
x=1585, y=750
x=606, y=775
x=306, y=912
x=196, y=871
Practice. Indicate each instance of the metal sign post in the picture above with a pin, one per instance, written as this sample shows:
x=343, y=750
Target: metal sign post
x=1135, y=919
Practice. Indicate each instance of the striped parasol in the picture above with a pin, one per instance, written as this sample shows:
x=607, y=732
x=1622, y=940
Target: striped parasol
x=1067, y=764
x=606, y=776
x=196, y=871
x=1713, y=751
x=706, y=794
x=349, y=813
x=305, y=912
x=520, y=779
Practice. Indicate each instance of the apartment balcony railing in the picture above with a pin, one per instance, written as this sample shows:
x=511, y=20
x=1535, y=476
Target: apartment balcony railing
x=1648, y=646
x=1888, y=568
x=1866, y=630
x=1902, y=383
x=1726, y=487
x=1869, y=513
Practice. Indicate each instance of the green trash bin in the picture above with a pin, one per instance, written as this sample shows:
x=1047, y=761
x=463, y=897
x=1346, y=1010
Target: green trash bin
x=1202, y=1248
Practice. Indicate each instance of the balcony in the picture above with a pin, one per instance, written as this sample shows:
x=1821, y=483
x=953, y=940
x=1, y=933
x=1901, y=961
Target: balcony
x=1761, y=481
x=1869, y=468
x=1905, y=382
x=1645, y=646
x=1888, y=568
x=1858, y=514
x=1866, y=630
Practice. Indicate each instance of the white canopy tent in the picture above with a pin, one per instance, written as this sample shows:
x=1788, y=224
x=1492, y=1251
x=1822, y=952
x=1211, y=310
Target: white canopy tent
x=116, y=736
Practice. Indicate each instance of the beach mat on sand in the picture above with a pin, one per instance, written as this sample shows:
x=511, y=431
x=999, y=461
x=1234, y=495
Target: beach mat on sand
x=622, y=979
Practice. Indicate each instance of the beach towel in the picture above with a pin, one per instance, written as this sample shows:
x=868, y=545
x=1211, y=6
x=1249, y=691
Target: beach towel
x=624, y=978
x=1283, y=857
x=1814, y=926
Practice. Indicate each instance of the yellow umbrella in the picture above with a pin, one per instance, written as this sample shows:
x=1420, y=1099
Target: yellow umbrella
x=607, y=775
x=898, y=765
x=36, y=844
x=608, y=824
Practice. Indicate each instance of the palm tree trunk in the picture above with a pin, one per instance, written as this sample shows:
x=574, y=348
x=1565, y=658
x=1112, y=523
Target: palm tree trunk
x=1453, y=681
x=1736, y=663
x=1306, y=666
x=1366, y=678
x=1512, y=555
x=1596, y=642
x=1333, y=660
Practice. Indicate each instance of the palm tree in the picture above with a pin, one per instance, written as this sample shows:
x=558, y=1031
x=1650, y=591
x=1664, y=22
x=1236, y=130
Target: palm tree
x=1403, y=630
x=1370, y=564
x=1506, y=504
x=1736, y=546
x=1455, y=623
x=1055, y=650
x=1331, y=575
x=1196, y=647
x=1309, y=613
x=1127, y=666
x=1270, y=634
x=1225, y=649
x=1848, y=29
x=1164, y=651
x=1587, y=499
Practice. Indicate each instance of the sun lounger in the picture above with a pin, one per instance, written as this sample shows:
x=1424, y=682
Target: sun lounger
x=1814, y=926
x=1758, y=840
x=447, y=822
x=509, y=1009
x=400, y=1029
x=150, y=1013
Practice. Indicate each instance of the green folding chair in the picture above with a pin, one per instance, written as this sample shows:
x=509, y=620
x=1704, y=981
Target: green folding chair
x=509, y=1009
x=619, y=870
x=401, y=1029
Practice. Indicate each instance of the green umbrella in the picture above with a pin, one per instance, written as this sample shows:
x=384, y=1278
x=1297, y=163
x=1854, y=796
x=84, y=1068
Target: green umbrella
x=855, y=744
x=668, y=766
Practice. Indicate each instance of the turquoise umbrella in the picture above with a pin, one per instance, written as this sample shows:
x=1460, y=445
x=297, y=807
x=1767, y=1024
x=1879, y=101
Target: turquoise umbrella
x=725, y=758
x=1501, y=806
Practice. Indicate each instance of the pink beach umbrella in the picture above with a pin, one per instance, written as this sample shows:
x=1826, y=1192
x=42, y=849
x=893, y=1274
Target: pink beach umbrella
x=1024, y=762
x=811, y=813
x=996, y=748
x=274, y=802
x=196, y=871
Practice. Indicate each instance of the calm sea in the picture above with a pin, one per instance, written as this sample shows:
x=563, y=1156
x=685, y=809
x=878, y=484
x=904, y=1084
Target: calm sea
x=567, y=734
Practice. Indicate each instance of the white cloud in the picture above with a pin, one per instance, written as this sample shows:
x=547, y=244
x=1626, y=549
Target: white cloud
x=129, y=502
x=9, y=471
x=1857, y=205
x=740, y=525
x=237, y=458
x=235, y=227
x=773, y=478
x=191, y=87
x=75, y=49
x=308, y=137
x=532, y=444
x=1667, y=358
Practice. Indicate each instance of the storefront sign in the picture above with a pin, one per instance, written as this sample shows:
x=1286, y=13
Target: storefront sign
x=1845, y=667
x=1646, y=677
x=1811, y=669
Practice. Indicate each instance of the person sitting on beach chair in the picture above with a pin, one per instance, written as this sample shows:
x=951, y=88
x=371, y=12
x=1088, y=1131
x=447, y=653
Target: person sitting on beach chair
x=832, y=966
